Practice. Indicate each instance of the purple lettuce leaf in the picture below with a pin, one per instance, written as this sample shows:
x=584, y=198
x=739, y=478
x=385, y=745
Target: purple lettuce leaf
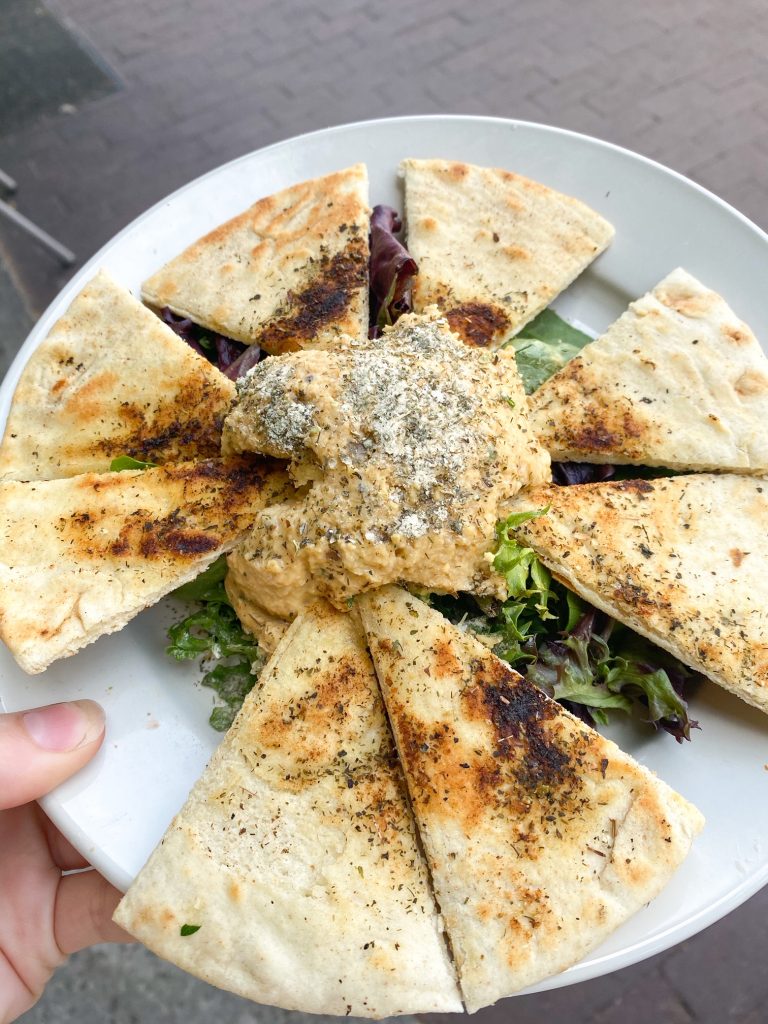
x=184, y=328
x=392, y=269
x=225, y=353
x=244, y=362
x=568, y=473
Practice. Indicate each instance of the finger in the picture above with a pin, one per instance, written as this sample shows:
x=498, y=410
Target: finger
x=82, y=917
x=63, y=853
x=41, y=748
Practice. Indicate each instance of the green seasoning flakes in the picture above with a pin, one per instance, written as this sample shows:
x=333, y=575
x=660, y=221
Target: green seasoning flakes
x=189, y=929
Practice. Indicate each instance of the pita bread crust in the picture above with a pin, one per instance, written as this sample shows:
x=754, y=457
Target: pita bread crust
x=691, y=391
x=111, y=379
x=296, y=851
x=683, y=561
x=291, y=272
x=493, y=248
x=81, y=557
x=541, y=836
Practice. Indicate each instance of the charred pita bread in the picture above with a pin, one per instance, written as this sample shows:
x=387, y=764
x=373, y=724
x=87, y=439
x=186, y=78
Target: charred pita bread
x=677, y=381
x=683, y=561
x=295, y=857
x=111, y=379
x=80, y=557
x=493, y=248
x=288, y=273
x=541, y=836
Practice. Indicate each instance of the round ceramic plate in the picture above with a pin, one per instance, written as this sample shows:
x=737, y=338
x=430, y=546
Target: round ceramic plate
x=158, y=738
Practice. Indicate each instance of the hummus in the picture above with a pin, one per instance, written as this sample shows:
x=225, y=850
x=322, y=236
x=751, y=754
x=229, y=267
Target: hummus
x=405, y=451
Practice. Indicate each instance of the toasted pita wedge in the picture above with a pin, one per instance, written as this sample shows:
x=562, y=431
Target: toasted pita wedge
x=111, y=379
x=677, y=381
x=80, y=557
x=289, y=273
x=541, y=835
x=683, y=561
x=296, y=853
x=493, y=248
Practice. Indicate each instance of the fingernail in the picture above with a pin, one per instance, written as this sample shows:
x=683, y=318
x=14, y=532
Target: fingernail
x=63, y=727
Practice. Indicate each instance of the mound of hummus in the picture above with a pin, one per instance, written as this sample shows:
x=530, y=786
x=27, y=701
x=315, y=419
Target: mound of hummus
x=405, y=451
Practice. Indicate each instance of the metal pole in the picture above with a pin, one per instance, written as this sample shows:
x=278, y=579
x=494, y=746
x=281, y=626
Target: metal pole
x=7, y=182
x=65, y=255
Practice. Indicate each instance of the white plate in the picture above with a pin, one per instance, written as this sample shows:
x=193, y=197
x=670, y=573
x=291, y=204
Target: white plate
x=158, y=739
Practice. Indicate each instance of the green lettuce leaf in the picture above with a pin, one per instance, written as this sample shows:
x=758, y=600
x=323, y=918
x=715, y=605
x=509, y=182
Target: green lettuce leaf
x=213, y=633
x=128, y=462
x=208, y=586
x=544, y=346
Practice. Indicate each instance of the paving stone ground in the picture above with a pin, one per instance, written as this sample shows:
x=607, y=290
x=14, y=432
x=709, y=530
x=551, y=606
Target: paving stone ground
x=682, y=81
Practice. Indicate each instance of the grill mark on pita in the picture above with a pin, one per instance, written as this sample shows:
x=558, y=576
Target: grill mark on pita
x=751, y=384
x=175, y=534
x=685, y=301
x=335, y=285
x=151, y=538
x=518, y=710
x=607, y=430
x=334, y=728
x=739, y=335
x=168, y=431
x=477, y=323
x=239, y=475
x=445, y=662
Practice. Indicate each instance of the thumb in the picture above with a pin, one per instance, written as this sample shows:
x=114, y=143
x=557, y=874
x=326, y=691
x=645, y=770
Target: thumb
x=43, y=747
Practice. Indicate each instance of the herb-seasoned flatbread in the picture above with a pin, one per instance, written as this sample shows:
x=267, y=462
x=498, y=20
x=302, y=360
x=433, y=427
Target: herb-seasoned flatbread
x=541, y=835
x=683, y=561
x=493, y=248
x=80, y=557
x=677, y=381
x=111, y=379
x=295, y=856
x=288, y=273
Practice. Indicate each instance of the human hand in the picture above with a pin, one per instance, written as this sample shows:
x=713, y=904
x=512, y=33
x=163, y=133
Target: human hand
x=46, y=915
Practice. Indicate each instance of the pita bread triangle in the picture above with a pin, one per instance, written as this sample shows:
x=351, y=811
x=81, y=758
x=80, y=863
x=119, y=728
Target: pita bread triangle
x=682, y=560
x=291, y=272
x=80, y=557
x=541, y=836
x=295, y=856
x=677, y=381
x=493, y=248
x=111, y=379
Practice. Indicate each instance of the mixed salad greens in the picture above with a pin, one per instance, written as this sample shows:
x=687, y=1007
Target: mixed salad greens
x=213, y=632
x=577, y=654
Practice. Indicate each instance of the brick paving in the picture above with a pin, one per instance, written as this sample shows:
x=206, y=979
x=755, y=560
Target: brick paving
x=682, y=81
